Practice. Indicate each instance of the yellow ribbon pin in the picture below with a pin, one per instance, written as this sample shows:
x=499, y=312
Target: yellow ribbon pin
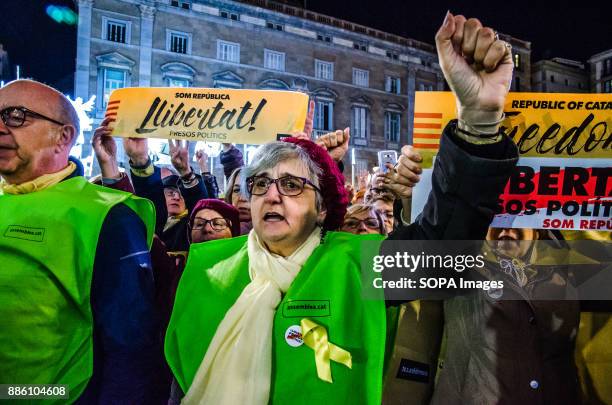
x=315, y=337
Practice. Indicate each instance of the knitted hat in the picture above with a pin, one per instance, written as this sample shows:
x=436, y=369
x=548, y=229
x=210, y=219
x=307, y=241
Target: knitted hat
x=228, y=212
x=171, y=181
x=331, y=182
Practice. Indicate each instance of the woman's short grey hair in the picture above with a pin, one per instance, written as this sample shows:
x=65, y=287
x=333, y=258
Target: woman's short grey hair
x=272, y=154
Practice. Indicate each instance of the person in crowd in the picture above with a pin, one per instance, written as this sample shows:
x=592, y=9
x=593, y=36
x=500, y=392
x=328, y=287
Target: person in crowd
x=359, y=197
x=383, y=202
x=175, y=230
x=211, y=181
x=174, y=195
x=238, y=320
x=362, y=188
x=361, y=219
x=231, y=159
x=491, y=334
x=213, y=219
x=76, y=291
x=350, y=191
x=235, y=197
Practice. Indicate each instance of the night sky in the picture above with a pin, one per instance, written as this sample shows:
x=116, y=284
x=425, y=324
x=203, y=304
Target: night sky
x=46, y=50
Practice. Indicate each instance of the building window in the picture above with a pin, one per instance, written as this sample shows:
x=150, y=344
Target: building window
x=274, y=26
x=323, y=37
x=517, y=84
x=392, y=126
x=177, y=74
x=113, y=72
x=324, y=70
x=274, y=60
x=607, y=67
x=566, y=82
x=361, y=77
x=173, y=82
x=361, y=46
x=392, y=55
x=359, y=127
x=229, y=15
x=113, y=79
x=185, y=4
x=323, y=117
x=393, y=85
x=178, y=42
x=228, y=51
x=116, y=30
x=517, y=61
x=425, y=87
x=579, y=85
x=552, y=78
x=607, y=86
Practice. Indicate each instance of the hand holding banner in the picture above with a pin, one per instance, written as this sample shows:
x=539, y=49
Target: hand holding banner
x=218, y=115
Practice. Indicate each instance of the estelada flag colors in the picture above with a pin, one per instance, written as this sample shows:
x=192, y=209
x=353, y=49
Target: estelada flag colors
x=202, y=114
x=563, y=177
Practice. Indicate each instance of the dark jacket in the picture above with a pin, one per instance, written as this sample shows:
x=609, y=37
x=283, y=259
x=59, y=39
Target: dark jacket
x=166, y=272
x=151, y=187
x=231, y=160
x=466, y=183
x=126, y=350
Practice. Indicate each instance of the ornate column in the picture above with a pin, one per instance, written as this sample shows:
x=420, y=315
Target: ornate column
x=81, y=77
x=147, y=15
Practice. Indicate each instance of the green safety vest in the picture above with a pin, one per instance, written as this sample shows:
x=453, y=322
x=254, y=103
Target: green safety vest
x=48, y=242
x=327, y=290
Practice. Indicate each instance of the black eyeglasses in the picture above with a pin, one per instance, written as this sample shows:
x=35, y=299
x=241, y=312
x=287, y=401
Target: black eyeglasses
x=14, y=117
x=287, y=185
x=217, y=224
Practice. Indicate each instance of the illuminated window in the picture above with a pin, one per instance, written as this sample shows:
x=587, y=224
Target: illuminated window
x=517, y=61
x=113, y=79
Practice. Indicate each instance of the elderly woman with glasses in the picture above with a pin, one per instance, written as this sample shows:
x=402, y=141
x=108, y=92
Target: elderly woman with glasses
x=278, y=316
x=213, y=219
x=362, y=219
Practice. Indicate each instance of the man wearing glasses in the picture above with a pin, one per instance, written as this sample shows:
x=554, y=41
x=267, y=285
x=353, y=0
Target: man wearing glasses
x=76, y=287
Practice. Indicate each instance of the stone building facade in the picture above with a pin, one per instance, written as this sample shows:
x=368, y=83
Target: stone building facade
x=356, y=79
x=560, y=75
x=601, y=72
x=358, y=76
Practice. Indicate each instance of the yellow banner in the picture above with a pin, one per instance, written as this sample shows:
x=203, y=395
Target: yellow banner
x=200, y=114
x=552, y=125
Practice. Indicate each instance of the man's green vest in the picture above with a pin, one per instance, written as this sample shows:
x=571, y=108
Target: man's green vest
x=48, y=242
x=328, y=291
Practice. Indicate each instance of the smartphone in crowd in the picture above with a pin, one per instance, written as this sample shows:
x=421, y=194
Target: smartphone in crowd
x=386, y=156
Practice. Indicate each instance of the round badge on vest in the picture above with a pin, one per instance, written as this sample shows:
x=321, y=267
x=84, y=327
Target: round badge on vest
x=293, y=336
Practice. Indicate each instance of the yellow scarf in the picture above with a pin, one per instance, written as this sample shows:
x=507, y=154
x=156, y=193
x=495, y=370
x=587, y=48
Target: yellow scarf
x=40, y=183
x=237, y=367
x=173, y=220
